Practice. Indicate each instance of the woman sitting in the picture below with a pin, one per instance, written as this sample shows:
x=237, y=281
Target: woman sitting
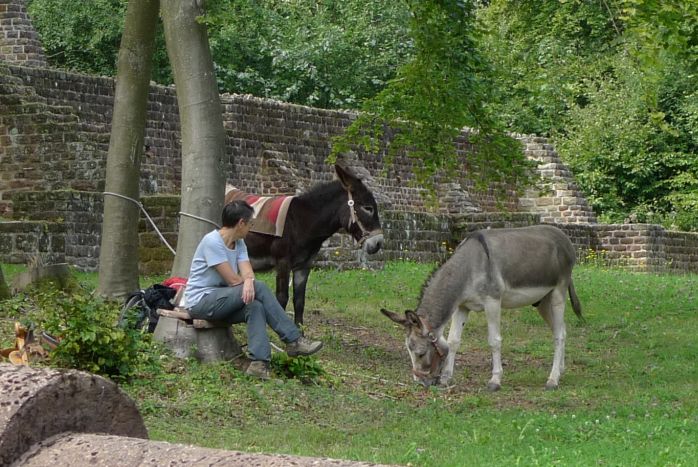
x=222, y=287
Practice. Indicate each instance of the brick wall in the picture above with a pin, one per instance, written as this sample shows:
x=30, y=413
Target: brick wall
x=78, y=212
x=58, y=123
x=66, y=226
x=22, y=241
x=647, y=247
x=19, y=42
x=557, y=197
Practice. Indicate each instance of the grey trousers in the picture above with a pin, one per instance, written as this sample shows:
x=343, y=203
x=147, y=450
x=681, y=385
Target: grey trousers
x=225, y=304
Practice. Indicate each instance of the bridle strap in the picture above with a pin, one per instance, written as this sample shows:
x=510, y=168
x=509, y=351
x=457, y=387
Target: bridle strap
x=435, y=362
x=354, y=219
x=432, y=338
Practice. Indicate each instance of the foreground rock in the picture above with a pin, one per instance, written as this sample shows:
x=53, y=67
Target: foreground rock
x=72, y=418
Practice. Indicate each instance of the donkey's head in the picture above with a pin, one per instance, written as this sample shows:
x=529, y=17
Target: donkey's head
x=427, y=351
x=364, y=224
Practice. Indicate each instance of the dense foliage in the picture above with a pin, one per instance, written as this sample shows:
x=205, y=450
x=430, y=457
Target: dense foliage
x=85, y=36
x=331, y=54
x=325, y=54
x=612, y=82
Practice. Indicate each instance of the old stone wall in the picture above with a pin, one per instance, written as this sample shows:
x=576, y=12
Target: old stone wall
x=19, y=42
x=647, y=247
x=78, y=212
x=22, y=241
x=64, y=226
x=556, y=197
x=58, y=122
x=54, y=139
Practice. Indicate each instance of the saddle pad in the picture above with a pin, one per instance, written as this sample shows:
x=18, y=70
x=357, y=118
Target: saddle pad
x=269, y=211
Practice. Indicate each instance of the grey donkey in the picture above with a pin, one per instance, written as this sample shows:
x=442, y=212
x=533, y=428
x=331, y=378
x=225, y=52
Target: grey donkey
x=491, y=270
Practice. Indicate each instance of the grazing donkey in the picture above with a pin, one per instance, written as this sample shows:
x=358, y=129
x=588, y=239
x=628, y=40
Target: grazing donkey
x=491, y=270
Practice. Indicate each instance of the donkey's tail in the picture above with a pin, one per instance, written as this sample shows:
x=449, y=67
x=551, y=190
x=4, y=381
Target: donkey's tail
x=576, y=306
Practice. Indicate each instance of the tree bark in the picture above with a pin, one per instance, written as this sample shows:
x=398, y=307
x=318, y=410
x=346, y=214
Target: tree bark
x=118, y=258
x=4, y=289
x=203, y=135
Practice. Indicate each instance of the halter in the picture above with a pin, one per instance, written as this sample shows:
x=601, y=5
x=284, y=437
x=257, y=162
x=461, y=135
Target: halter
x=435, y=362
x=354, y=219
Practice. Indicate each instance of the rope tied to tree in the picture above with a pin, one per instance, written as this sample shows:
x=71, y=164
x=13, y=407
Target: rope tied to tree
x=155, y=227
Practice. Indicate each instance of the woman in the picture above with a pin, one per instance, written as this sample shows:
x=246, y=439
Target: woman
x=222, y=287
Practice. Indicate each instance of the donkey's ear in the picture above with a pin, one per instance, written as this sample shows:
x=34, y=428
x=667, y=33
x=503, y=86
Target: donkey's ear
x=395, y=317
x=413, y=319
x=346, y=177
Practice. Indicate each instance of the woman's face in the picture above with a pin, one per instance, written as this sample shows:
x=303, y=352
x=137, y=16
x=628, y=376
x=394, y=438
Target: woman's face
x=243, y=227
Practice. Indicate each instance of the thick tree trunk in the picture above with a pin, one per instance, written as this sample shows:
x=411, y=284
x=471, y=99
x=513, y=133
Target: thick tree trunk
x=4, y=289
x=118, y=258
x=200, y=113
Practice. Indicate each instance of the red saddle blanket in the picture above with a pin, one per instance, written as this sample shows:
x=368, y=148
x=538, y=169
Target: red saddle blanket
x=269, y=211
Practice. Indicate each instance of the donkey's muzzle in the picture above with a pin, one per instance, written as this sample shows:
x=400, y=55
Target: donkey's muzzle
x=373, y=242
x=425, y=380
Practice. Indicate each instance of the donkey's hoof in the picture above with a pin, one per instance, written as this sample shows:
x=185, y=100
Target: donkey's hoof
x=550, y=386
x=493, y=387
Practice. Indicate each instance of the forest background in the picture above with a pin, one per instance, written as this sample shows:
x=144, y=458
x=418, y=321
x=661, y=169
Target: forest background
x=612, y=82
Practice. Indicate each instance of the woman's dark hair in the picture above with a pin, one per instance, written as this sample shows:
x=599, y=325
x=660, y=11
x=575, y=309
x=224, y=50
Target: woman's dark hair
x=234, y=211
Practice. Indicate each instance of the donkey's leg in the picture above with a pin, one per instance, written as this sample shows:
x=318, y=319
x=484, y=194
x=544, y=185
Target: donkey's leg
x=552, y=309
x=493, y=311
x=283, y=272
x=300, y=280
x=458, y=320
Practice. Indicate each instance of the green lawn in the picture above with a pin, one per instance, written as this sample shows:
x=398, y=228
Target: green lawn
x=627, y=397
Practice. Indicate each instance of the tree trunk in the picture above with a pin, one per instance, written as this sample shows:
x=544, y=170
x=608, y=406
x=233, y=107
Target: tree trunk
x=4, y=289
x=118, y=258
x=200, y=113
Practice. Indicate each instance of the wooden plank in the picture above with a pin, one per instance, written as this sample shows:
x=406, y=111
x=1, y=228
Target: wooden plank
x=179, y=313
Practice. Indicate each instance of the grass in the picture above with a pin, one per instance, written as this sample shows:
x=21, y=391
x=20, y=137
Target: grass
x=627, y=397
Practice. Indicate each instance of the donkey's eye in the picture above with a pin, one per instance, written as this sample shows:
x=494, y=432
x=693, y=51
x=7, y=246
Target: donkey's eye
x=368, y=210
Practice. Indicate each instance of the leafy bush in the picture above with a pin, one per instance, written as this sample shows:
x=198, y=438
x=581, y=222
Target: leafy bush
x=306, y=369
x=89, y=338
x=632, y=148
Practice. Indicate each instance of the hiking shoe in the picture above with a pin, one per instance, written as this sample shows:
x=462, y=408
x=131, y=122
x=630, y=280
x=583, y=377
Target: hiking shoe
x=302, y=346
x=258, y=369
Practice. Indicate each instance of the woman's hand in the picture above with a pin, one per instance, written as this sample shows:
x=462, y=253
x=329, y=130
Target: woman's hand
x=248, y=291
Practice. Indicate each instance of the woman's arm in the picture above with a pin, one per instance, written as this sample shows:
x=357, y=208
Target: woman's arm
x=228, y=275
x=248, y=276
x=246, y=270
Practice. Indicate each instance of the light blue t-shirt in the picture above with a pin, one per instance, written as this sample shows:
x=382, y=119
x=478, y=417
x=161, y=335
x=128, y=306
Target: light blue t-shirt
x=203, y=277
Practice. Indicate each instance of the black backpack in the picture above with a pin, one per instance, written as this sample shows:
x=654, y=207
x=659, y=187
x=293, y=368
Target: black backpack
x=140, y=307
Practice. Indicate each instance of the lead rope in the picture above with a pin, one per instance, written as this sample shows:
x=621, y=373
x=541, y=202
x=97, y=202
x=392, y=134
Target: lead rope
x=155, y=227
x=199, y=219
